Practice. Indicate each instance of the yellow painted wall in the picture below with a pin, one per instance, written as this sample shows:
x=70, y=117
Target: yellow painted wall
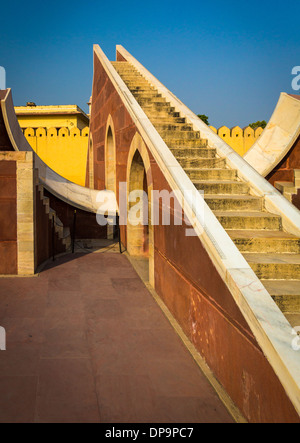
x=61, y=116
x=50, y=121
x=239, y=139
x=63, y=150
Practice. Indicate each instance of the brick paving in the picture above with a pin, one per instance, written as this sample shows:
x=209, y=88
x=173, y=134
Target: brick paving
x=86, y=342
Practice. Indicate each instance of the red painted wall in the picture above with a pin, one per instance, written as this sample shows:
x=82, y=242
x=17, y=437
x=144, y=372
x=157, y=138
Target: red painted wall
x=8, y=218
x=189, y=284
x=284, y=171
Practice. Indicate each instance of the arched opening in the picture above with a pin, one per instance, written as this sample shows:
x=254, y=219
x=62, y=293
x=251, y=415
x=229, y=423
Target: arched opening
x=110, y=161
x=140, y=236
x=110, y=169
x=138, y=219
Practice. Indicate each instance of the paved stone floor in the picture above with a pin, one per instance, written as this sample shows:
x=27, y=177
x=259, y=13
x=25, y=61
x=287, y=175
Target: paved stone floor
x=86, y=342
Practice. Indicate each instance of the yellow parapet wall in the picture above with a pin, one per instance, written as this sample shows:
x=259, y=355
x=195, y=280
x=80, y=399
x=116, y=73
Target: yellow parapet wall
x=63, y=150
x=59, y=135
x=58, y=116
x=239, y=139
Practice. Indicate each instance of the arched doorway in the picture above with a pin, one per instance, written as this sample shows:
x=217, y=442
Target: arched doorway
x=110, y=168
x=110, y=157
x=140, y=241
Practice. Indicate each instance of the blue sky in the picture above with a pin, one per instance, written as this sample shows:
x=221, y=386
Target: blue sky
x=226, y=59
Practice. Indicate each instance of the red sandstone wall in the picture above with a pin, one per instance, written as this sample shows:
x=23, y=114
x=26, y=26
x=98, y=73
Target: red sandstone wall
x=106, y=102
x=190, y=285
x=120, y=58
x=285, y=170
x=8, y=218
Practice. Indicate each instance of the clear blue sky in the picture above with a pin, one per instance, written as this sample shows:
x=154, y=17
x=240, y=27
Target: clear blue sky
x=227, y=59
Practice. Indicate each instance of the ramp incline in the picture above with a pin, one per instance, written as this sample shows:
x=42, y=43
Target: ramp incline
x=273, y=254
x=250, y=232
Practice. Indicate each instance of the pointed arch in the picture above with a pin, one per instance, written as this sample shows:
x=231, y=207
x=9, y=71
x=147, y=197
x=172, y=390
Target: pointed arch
x=140, y=238
x=110, y=156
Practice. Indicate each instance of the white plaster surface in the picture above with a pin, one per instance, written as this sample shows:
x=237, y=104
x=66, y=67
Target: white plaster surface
x=277, y=139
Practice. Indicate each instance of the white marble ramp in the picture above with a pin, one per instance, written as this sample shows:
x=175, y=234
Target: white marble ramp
x=279, y=136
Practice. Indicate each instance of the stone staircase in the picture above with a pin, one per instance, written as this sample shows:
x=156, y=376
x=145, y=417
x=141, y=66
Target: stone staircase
x=289, y=189
x=63, y=233
x=273, y=254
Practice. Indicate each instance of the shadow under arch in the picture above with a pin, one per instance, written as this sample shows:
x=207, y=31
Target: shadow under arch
x=140, y=236
x=110, y=157
x=110, y=167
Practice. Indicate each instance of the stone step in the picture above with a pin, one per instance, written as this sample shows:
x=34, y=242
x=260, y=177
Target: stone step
x=162, y=116
x=223, y=187
x=46, y=203
x=271, y=242
x=285, y=187
x=132, y=76
x=234, y=203
x=154, y=100
x=59, y=228
x=167, y=120
x=134, y=83
x=140, y=87
x=275, y=266
x=285, y=293
x=199, y=162
x=161, y=107
x=145, y=95
x=125, y=69
x=202, y=152
x=123, y=65
x=293, y=318
x=67, y=237
x=249, y=220
x=211, y=174
x=120, y=63
x=174, y=127
x=169, y=135
x=179, y=143
x=134, y=79
x=166, y=111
